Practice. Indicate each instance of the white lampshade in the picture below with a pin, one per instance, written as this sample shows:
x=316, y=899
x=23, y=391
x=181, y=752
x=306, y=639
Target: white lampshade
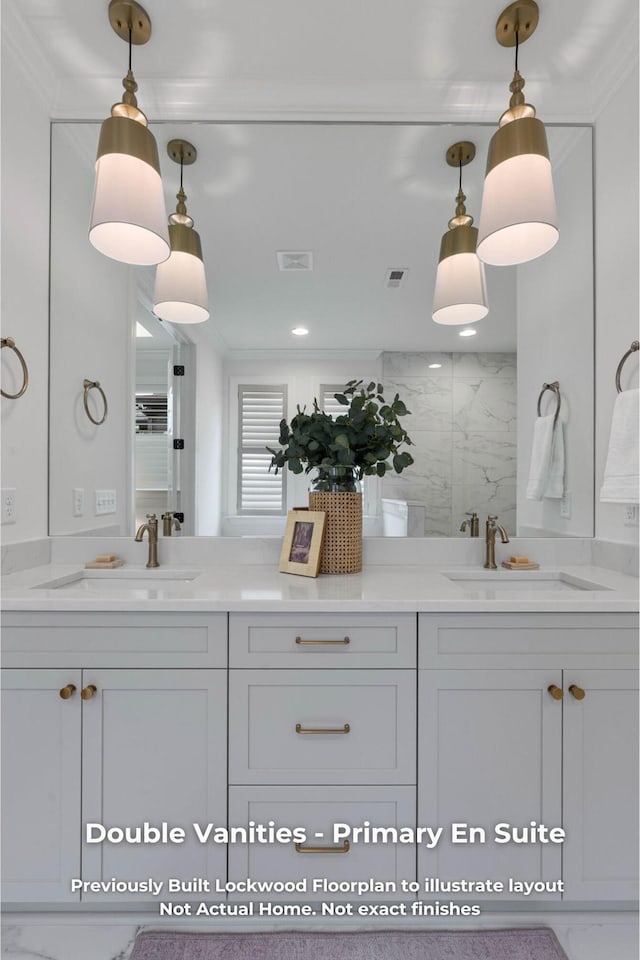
x=460, y=294
x=518, y=218
x=180, y=293
x=129, y=218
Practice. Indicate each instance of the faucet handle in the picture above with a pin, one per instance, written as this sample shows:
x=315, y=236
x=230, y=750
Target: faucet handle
x=151, y=516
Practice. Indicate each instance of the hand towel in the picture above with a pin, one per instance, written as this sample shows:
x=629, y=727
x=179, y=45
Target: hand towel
x=546, y=472
x=554, y=487
x=621, y=478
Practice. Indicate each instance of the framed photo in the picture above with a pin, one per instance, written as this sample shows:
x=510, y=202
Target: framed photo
x=302, y=542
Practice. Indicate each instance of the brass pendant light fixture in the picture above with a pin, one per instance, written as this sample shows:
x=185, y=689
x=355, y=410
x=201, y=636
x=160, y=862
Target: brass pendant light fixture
x=461, y=292
x=180, y=293
x=518, y=219
x=129, y=219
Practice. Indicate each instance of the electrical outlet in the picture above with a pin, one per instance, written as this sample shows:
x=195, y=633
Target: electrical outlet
x=565, y=505
x=631, y=515
x=105, y=502
x=77, y=502
x=9, y=505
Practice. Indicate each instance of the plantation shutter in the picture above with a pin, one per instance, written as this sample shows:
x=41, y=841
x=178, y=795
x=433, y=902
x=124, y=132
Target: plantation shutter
x=328, y=402
x=260, y=410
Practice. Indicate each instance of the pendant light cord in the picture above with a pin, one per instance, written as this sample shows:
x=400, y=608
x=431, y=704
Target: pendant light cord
x=181, y=167
x=130, y=41
x=460, y=173
x=517, y=45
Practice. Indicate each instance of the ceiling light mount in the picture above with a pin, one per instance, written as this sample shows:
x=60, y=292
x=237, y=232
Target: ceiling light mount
x=461, y=153
x=127, y=15
x=517, y=23
x=183, y=152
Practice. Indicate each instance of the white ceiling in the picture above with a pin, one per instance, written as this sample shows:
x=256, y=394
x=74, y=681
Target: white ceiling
x=363, y=198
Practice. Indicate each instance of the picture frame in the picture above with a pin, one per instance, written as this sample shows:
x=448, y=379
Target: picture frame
x=302, y=542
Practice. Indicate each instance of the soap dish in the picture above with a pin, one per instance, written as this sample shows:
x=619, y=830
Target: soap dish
x=103, y=565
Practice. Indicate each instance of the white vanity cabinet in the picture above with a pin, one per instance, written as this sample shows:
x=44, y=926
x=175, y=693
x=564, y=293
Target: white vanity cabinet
x=322, y=727
x=111, y=741
x=532, y=717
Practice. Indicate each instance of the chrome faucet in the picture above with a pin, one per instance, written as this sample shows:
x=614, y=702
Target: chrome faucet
x=473, y=523
x=151, y=526
x=490, y=539
x=169, y=524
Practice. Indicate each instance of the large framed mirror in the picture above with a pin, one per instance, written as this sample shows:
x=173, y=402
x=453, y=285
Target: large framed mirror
x=335, y=227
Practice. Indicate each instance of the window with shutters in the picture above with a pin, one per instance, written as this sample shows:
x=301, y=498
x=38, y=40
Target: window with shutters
x=260, y=410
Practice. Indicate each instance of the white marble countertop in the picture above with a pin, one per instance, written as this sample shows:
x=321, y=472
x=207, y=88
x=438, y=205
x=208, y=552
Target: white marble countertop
x=564, y=589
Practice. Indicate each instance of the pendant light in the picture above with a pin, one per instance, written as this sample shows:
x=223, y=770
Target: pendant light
x=180, y=294
x=460, y=293
x=129, y=219
x=518, y=219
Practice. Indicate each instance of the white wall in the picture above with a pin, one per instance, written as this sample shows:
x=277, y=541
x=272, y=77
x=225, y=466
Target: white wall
x=555, y=342
x=210, y=454
x=24, y=300
x=616, y=185
x=92, y=305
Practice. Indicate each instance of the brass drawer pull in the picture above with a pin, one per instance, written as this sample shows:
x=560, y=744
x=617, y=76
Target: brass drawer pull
x=341, y=643
x=89, y=692
x=343, y=849
x=556, y=692
x=577, y=691
x=68, y=691
x=301, y=729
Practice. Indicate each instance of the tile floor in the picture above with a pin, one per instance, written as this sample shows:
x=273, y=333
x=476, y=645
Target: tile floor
x=595, y=936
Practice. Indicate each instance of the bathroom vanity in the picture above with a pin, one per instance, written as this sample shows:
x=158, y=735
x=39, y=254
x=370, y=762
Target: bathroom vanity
x=400, y=697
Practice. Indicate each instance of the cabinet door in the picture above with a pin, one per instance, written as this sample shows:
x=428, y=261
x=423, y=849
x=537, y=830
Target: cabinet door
x=601, y=785
x=489, y=747
x=154, y=750
x=40, y=785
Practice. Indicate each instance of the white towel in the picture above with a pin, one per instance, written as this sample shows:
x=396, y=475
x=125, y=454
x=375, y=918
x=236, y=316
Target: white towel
x=546, y=472
x=621, y=480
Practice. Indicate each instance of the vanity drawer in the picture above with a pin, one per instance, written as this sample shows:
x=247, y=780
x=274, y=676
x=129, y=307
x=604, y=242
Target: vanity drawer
x=506, y=640
x=105, y=639
x=317, y=811
x=322, y=640
x=278, y=720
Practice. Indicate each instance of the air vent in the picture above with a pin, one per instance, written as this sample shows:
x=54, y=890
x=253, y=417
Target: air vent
x=395, y=277
x=295, y=260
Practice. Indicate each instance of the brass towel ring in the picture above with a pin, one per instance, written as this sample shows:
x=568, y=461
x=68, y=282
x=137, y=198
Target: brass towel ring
x=90, y=385
x=555, y=388
x=632, y=349
x=10, y=342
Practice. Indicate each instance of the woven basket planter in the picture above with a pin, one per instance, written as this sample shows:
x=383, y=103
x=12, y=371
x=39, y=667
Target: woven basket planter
x=342, y=547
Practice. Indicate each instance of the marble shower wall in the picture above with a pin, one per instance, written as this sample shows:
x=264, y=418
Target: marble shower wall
x=463, y=426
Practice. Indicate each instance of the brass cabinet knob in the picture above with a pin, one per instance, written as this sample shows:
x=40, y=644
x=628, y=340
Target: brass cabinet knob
x=89, y=692
x=556, y=692
x=68, y=691
x=577, y=691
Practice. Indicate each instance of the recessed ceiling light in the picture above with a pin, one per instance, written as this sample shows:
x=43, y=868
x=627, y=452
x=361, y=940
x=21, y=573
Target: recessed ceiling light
x=467, y=333
x=142, y=331
x=299, y=331
x=434, y=366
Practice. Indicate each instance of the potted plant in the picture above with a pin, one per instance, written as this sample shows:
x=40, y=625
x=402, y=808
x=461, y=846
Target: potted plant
x=363, y=441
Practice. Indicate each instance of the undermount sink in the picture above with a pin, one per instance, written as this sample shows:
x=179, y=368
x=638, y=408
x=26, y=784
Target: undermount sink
x=496, y=582
x=111, y=581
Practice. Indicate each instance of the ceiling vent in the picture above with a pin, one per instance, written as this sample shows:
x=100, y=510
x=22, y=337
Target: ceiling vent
x=295, y=260
x=395, y=277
